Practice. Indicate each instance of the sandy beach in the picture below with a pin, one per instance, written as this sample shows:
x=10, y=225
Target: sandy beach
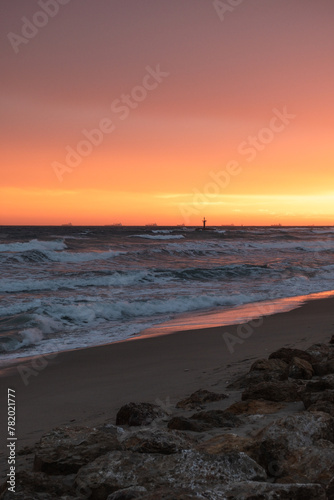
x=88, y=386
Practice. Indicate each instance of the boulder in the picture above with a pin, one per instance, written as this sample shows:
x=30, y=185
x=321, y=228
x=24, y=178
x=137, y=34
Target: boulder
x=138, y=414
x=199, y=398
x=128, y=493
x=274, y=391
x=310, y=398
x=262, y=370
x=40, y=486
x=254, y=407
x=186, y=424
x=300, y=369
x=324, y=406
x=276, y=442
x=278, y=368
x=268, y=491
x=330, y=489
x=217, y=418
x=324, y=368
x=172, y=494
x=321, y=384
x=225, y=443
x=314, y=464
x=65, y=449
x=189, y=469
x=153, y=441
x=287, y=355
x=320, y=352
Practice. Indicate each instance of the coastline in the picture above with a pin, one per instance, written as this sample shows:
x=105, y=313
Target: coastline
x=88, y=386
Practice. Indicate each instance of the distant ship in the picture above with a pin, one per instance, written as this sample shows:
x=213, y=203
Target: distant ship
x=67, y=225
x=151, y=225
x=116, y=224
x=276, y=225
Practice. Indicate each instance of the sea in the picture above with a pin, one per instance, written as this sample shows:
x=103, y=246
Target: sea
x=70, y=287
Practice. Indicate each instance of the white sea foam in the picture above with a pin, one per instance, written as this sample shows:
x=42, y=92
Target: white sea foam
x=33, y=245
x=158, y=236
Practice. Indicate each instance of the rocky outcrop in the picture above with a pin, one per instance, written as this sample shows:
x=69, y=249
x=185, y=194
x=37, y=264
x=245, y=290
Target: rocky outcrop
x=138, y=414
x=188, y=469
x=187, y=424
x=300, y=369
x=277, y=443
x=273, y=391
x=283, y=447
x=287, y=355
x=153, y=441
x=199, y=398
x=225, y=443
x=65, y=449
x=254, y=407
x=265, y=491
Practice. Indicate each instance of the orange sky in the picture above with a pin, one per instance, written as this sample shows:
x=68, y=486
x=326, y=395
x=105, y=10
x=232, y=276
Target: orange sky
x=247, y=100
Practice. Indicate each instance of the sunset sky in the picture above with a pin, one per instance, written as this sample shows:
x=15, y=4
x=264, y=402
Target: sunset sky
x=140, y=111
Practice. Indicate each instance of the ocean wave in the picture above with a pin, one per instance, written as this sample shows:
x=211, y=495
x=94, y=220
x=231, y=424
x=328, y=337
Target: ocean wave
x=33, y=245
x=158, y=236
x=35, y=255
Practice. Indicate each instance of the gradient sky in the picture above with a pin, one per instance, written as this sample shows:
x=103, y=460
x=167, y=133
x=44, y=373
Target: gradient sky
x=182, y=151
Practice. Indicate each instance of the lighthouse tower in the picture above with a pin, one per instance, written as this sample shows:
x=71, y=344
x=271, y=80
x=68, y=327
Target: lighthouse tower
x=204, y=222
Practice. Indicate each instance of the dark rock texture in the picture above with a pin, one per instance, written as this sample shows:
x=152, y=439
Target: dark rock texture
x=199, y=398
x=273, y=391
x=138, y=414
x=65, y=449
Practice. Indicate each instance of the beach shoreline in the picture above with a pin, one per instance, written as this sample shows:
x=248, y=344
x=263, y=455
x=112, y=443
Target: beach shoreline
x=88, y=386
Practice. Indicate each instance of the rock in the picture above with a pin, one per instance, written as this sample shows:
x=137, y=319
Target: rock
x=313, y=464
x=40, y=486
x=173, y=494
x=320, y=352
x=226, y=443
x=153, y=441
x=128, y=493
x=330, y=489
x=254, y=407
x=300, y=368
x=217, y=418
x=287, y=355
x=324, y=406
x=277, y=367
x=274, y=391
x=262, y=370
x=138, y=414
x=324, y=368
x=326, y=382
x=268, y=491
x=200, y=397
x=65, y=449
x=276, y=442
x=186, y=424
x=310, y=398
x=332, y=340
x=118, y=470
